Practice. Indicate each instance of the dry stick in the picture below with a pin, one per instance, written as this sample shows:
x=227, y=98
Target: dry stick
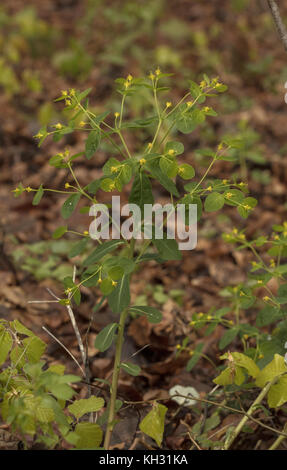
x=281, y=28
x=74, y=324
x=64, y=347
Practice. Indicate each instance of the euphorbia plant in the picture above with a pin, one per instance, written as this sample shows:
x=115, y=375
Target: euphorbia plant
x=155, y=156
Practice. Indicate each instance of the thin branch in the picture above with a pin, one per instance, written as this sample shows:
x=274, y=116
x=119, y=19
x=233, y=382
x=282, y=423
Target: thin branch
x=64, y=347
x=281, y=28
x=219, y=405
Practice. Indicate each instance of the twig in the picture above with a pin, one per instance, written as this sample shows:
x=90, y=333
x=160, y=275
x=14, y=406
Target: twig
x=281, y=28
x=219, y=405
x=64, y=347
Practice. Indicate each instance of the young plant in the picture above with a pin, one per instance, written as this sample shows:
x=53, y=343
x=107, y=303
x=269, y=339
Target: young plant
x=35, y=398
x=110, y=265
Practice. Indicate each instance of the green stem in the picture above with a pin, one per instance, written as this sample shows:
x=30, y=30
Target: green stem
x=278, y=441
x=115, y=379
x=252, y=408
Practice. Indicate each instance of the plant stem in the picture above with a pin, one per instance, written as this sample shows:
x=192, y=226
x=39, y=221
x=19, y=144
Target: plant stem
x=116, y=371
x=244, y=420
x=277, y=442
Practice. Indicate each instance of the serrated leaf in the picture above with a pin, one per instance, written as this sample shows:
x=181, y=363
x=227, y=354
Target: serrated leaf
x=153, y=423
x=34, y=348
x=21, y=328
x=87, y=405
x=106, y=336
x=90, y=435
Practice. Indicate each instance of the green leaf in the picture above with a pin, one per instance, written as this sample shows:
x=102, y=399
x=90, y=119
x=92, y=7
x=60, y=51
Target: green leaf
x=228, y=337
x=186, y=171
x=106, y=336
x=130, y=368
x=229, y=376
x=189, y=199
x=141, y=192
x=44, y=413
x=282, y=294
x=59, y=232
x=125, y=174
x=38, y=196
x=187, y=122
x=165, y=181
x=101, y=251
x=78, y=248
x=83, y=94
x=87, y=405
x=70, y=205
x=15, y=324
x=168, y=166
x=268, y=315
x=108, y=185
x=111, y=167
x=5, y=345
x=177, y=147
x=233, y=197
x=119, y=299
x=116, y=273
x=93, y=187
x=214, y=202
x=168, y=249
x=106, y=286
x=195, y=357
x=34, y=348
x=212, y=422
x=272, y=370
x=90, y=435
x=247, y=205
x=277, y=394
x=247, y=363
x=153, y=423
x=92, y=143
x=152, y=314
